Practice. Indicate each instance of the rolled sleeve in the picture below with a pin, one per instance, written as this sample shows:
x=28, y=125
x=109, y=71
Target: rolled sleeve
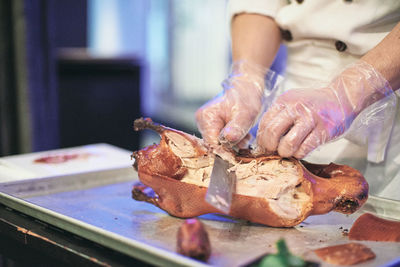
x=263, y=7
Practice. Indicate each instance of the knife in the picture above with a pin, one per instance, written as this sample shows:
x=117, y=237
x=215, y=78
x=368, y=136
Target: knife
x=222, y=185
x=222, y=181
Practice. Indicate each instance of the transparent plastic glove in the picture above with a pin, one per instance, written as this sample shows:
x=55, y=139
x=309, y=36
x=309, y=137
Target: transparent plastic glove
x=302, y=119
x=373, y=127
x=228, y=117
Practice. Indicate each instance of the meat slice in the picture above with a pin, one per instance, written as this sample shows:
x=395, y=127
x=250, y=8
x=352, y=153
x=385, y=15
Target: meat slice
x=270, y=190
x=346, y=254
x=372, y=228
x=193, y=241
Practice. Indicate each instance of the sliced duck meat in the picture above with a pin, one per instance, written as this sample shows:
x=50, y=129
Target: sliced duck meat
x=372, y=228
x=345, y=254
x=193, y=241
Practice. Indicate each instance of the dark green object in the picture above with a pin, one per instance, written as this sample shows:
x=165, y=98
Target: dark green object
x=283, y=258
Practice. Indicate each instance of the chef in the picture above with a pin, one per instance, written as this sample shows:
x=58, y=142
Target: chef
x=338, y=100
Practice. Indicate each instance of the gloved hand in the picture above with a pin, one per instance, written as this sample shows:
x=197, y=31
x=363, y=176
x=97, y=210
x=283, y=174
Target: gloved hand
x=302, y=119
x=228, y=117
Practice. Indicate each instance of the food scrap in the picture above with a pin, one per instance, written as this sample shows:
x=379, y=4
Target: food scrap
x=193, y=241
x=346, y=254
x=372, y=228
x=61, y=158
x=345, y=232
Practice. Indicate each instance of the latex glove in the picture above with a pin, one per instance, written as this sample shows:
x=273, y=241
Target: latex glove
x=228, y=117
x=302, y=119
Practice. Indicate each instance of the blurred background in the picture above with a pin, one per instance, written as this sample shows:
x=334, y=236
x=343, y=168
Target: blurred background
x=77, y=72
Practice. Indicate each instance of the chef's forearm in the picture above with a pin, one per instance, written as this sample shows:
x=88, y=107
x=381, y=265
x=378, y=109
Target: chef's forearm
x=385, y=57
x=255, y=38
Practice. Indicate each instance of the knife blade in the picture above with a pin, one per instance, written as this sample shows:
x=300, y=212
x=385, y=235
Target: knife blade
x=222, y=185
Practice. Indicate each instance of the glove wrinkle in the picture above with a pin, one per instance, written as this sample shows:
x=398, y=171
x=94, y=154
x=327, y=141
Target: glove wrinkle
x=313, y=117
x=247, y=91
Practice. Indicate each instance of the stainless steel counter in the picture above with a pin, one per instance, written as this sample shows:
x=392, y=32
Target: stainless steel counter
x=98, y=206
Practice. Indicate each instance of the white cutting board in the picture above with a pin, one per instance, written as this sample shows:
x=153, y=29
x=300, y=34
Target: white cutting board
x=80, y=159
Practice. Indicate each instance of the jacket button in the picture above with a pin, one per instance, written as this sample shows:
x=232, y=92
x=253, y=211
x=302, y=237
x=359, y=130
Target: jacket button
x=286, y=35
x=299, y=1
x=340, y=46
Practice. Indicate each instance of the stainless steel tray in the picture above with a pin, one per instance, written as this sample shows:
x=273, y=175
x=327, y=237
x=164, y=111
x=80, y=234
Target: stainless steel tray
x=98, y=206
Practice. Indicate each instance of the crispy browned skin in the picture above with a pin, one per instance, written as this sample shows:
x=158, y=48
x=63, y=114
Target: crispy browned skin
x=372, y=228
x=336, y=187
x=346, y=254
x=193, y=241
x=329, y=187
x=187, y=200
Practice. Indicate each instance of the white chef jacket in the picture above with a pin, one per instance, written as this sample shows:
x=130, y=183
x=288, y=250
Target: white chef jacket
x=322, y=38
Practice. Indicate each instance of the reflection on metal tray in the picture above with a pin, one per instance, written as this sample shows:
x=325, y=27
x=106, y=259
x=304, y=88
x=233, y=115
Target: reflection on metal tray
x=98, y=206
x=384, y=207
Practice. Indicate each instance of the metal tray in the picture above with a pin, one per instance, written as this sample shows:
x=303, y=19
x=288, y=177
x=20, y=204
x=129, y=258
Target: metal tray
x=98, y=206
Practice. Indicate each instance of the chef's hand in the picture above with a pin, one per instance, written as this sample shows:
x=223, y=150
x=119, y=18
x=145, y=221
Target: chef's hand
x=302, y=119
x=228, y=117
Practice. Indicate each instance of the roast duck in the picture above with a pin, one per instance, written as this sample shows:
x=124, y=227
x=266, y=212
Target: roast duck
x=270, y=190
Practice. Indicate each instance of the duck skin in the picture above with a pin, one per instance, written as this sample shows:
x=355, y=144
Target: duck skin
x=270, y=190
